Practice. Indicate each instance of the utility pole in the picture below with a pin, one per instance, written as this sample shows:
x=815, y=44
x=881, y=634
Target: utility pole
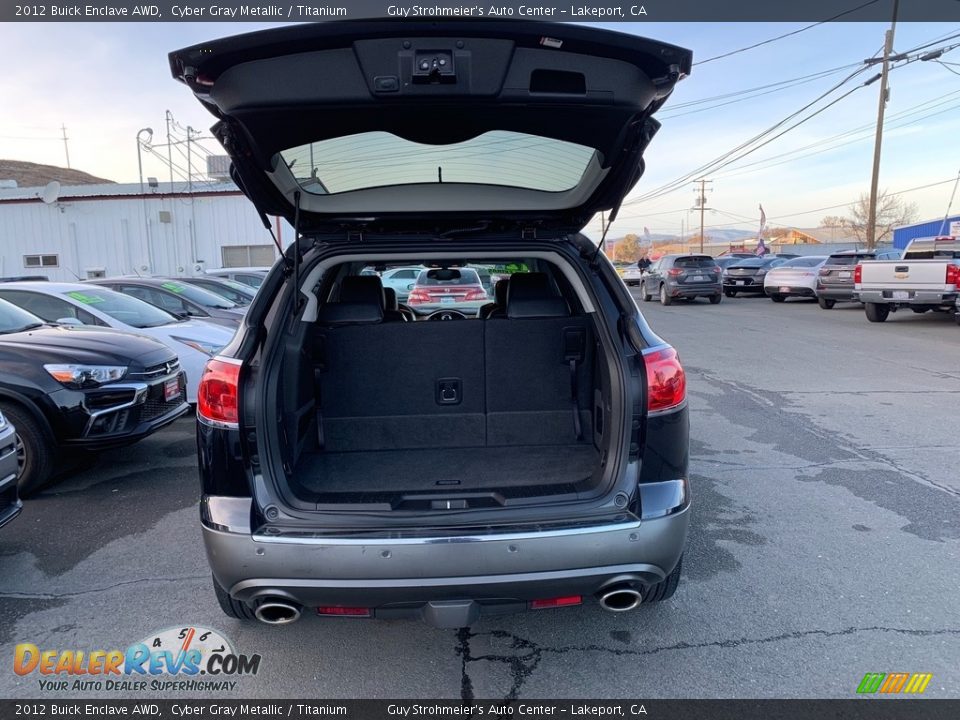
x=701, y=203
x=884, y=95
x=66, y=148
x=169, y=119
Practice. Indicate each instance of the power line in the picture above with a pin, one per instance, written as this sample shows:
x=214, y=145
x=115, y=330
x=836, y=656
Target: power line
x=786, y=35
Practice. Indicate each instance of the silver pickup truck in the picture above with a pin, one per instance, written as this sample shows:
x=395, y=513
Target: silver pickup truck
x=927, y=277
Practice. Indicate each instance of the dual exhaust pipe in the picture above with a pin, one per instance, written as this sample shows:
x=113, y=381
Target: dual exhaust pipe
x=278, y=611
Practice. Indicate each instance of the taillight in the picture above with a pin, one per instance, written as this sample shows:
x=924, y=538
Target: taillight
x=858, y=274
x=218, y=392
x=342, y=611
x=476, y=294
x=953, y=274
x=417, y=296
x=824, y=271
x=673, y=272
x=666, y=382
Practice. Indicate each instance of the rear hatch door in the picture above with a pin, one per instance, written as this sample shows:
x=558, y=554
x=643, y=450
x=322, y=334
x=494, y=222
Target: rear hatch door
x=696, y=270
x=434, y=127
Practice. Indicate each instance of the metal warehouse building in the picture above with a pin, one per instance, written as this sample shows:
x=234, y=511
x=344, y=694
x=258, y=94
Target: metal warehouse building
x=89, y=231
x=931, y=228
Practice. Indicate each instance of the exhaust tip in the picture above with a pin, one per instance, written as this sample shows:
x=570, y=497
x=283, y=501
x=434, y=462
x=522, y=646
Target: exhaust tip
x=277, y=612
x=620, y=599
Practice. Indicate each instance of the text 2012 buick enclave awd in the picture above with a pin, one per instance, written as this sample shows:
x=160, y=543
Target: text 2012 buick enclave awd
x=360, y=460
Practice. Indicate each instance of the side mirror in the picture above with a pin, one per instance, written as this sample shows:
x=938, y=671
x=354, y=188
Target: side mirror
x=72, y=321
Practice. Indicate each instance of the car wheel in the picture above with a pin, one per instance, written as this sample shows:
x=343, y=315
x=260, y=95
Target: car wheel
x=715, y=299
x=665, y=299
x=776, y=297
x=876, y=312
x=665, y=589
x=730, y=293
x=35, y=450
x=647, y=297
x=826, y=304
x=232, y=608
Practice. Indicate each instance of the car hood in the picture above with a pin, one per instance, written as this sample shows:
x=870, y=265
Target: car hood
x=439, y=127
x=193, y=330
x=88, y=345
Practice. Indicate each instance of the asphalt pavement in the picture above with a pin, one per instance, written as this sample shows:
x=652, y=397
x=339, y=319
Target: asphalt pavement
x=824, y=542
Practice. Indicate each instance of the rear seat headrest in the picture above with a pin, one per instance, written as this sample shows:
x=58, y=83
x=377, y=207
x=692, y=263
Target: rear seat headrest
x=530, y=295
x=390, y=299
x=500, y=292
x=362, y=289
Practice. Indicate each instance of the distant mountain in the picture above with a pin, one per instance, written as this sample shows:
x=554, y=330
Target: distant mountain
x=28, y=174
x=729, y=235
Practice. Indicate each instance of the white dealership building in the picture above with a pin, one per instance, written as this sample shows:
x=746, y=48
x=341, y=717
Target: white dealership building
x=89, y=231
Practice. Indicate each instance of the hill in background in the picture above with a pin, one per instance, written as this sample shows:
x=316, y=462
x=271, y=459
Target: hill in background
x=28, y=174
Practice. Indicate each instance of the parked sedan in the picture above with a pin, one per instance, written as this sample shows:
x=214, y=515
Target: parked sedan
x=401, y=279
x=178, y=298
x=194, y=341
x=794, y=278
x=252, y=276
x=746, y=276
x=236, y=292
x=685, y=277
x=632, y=274
x=447, y=292
x=80, y=388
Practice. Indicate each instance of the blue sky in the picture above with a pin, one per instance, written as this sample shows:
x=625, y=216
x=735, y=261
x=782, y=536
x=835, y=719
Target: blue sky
x=106, y=81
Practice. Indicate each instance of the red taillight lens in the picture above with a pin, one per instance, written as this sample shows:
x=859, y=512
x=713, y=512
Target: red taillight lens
x=858, y=274
x=673, y=272
x=217, y=394
x=476, y=294
x=666, y=381
x=953, y=274
x=340, y=611
x=417, y=296
x=565, y=601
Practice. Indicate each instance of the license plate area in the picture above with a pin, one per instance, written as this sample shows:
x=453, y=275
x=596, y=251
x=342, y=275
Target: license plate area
x=447, y=300
x=901, y=295
x=844, y=274
x=171, y=389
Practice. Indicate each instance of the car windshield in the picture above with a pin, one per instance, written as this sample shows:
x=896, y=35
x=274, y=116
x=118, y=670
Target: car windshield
x=197, y=295
x=381, y=159
x=13, y=319
x=126, y=309
x=463, y=276
x=803, y=262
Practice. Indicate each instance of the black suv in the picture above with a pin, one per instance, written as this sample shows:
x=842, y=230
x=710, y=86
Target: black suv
x=357, y=463
x=77, y=388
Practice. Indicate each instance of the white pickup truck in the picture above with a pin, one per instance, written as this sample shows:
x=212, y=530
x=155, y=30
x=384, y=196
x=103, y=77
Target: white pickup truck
x=927, y=277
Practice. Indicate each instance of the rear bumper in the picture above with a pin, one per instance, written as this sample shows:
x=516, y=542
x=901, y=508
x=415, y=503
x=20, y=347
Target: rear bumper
x=695, y=290
x=749, y=287
x=840, y=294
x=411, y=576
x=932, y=298
x=10, y=505
x=789, y=291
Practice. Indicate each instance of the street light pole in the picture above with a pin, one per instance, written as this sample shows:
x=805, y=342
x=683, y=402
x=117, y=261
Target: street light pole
x=878, y=141
x=143, y=198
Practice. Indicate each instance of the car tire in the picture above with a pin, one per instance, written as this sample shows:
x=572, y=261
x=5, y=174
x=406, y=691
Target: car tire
x=826, y=304
x=715, y=299
x=776, y=297
x=232, y=608
x=730, y=293
x=35, y=450
x=665, y=589
x=876, y=312
x=647, y=297
x=665, y=299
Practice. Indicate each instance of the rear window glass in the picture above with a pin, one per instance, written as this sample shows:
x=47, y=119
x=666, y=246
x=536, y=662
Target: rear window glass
x=847, y=259
x=430, y=278
x=803, y=262
x=694, y=262
x=749, y=262
x=381, y=159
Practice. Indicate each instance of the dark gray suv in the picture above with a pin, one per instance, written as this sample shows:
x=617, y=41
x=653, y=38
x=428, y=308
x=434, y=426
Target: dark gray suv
x=683, y=277
x=357, y=462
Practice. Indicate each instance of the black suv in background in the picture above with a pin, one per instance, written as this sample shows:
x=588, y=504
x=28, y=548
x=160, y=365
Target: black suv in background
x=355, y=463
x=683, y=277
x=77, y=388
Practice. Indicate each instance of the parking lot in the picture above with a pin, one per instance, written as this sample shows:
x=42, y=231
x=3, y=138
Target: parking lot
x=824, y=542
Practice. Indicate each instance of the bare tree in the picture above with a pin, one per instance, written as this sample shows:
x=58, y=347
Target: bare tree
x=892, y=211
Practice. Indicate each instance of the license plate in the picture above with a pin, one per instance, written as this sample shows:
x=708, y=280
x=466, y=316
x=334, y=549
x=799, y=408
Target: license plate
x=901, y=295
x=844, y=273
x=171, y=389
x=741, y=282
x=698, y=278
x=447, y=300
x=784, y=289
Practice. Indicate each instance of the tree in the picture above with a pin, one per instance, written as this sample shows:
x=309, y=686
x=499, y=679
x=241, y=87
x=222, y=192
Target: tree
x=892, y=211
x=627, y=250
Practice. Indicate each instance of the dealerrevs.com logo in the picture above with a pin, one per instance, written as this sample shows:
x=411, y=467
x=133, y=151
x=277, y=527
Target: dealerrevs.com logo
x=176, y=659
